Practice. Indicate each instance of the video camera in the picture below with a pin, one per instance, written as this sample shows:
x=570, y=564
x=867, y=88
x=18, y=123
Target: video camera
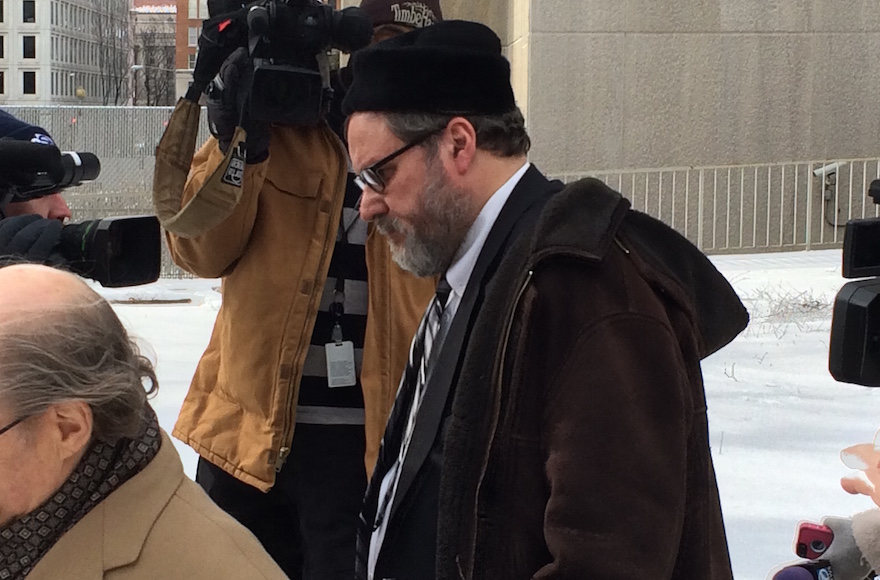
x=854, y=352
x=121, y=251
x=289, y=42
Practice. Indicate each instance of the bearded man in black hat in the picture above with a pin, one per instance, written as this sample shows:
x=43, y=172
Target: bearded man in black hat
x=551, y=422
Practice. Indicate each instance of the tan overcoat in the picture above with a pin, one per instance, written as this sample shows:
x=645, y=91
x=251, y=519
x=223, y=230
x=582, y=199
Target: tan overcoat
x=157, y=525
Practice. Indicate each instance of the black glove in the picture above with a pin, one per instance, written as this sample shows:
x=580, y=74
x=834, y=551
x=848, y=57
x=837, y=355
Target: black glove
x=228, y=97
x=30, y=237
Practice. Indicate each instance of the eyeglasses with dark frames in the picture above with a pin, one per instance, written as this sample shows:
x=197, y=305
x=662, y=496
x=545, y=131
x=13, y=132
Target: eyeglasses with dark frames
x=370, y=177
x=11, y=425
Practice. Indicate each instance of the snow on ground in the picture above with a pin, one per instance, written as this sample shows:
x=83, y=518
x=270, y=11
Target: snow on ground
x=777, y=419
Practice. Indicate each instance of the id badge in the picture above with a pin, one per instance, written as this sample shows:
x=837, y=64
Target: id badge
x=340, y=364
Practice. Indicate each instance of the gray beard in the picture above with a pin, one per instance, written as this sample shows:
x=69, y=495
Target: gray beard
x=433, y=236
x=414, y=254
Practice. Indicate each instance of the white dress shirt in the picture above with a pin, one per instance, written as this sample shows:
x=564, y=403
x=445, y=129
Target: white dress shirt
x=459, y=273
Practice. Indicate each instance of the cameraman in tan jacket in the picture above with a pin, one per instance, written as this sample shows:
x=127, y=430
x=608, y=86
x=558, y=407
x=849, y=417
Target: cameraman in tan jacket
x=284, y=447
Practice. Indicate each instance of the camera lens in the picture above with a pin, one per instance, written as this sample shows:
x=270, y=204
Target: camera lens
x=818, y=546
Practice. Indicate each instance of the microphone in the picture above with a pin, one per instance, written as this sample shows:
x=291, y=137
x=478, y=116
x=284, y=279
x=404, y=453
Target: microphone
x=814, y=570
x=352, y=29
x=20, y=158
x=31, y=170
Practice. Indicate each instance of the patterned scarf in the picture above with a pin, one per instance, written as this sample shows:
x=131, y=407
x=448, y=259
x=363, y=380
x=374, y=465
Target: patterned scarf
x=103, y=468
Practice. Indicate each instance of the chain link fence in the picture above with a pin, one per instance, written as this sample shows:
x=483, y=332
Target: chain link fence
x=125, y=140
x=721, y=209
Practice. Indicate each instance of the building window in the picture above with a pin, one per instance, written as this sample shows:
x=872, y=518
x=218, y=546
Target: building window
x=193, y=36
x=29, y=47
x=29, y=82
x=190, y=61
x=1, y=11
x=29, y=11
x=198, y=9
x=2, y=83
x=2, y=46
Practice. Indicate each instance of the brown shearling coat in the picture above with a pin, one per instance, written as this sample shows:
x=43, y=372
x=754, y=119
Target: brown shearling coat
x=596, y=459
x=573, y=442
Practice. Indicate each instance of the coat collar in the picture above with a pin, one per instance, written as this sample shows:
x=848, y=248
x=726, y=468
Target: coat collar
x=113, y=534
x=587, y=216
x=584, y=217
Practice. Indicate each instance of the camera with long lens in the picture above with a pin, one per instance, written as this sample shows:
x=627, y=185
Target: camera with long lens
x=854, y=351
x=116, y=252
x=289, y=42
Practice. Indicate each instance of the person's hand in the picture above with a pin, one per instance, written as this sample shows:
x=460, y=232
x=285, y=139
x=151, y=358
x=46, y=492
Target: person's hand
x=865, y=458
x=228, y=97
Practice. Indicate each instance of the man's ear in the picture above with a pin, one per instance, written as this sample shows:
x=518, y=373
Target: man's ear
x=72, y=424
x=464, y=143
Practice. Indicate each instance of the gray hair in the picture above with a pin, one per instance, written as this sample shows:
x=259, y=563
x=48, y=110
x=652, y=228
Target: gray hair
x=76, y=352
x=504, y=135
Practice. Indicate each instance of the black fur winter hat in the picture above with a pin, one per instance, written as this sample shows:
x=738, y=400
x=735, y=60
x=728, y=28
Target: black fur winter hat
x=452, y=67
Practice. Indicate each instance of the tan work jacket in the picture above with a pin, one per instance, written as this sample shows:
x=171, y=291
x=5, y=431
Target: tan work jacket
x=273, y=253
x=158, y=524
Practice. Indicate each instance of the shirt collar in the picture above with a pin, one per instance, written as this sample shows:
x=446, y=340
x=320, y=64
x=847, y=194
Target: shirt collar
x=459, y=272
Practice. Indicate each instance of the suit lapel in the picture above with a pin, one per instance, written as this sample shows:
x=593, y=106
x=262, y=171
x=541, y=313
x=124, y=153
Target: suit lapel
x=532, y=188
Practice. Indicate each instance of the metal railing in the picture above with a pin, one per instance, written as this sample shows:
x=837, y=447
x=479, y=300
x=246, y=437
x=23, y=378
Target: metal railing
x=721, y=209
x=752, y=208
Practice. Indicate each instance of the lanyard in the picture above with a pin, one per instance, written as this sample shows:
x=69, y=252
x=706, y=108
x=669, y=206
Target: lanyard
x=337, y=307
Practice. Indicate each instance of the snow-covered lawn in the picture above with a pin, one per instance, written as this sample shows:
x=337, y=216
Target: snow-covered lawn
x=777, y=419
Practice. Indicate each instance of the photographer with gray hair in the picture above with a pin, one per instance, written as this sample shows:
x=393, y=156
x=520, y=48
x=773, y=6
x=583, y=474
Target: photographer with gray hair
x=90, y=486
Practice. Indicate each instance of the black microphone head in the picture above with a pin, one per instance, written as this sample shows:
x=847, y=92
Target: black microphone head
x=810, y=570
x=259, y=20
x=794, y=573
x=352, y=29
x=21, y=162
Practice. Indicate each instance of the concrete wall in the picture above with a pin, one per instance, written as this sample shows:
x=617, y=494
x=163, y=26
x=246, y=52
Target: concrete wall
x=611, y=84
x=510, y=19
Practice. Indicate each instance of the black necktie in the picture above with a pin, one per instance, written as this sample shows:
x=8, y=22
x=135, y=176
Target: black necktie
x=416, y=374
x=420, y=355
